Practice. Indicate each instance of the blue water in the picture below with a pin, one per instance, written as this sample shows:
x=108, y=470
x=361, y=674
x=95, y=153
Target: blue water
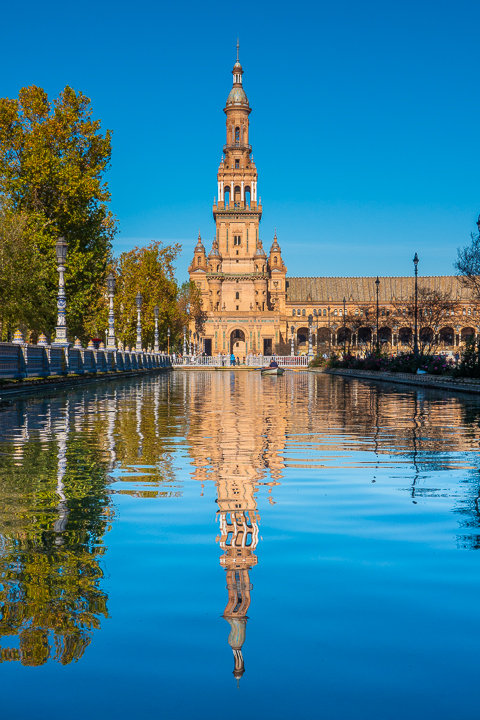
x=212, y=544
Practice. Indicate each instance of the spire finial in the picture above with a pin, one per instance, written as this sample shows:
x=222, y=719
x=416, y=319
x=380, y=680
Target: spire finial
x=238, y=47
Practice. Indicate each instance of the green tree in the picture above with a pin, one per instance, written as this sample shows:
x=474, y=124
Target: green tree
x=24, y=300
x=52, y=160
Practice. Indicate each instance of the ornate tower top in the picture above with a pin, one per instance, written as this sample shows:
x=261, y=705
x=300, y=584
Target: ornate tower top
x=237, y=96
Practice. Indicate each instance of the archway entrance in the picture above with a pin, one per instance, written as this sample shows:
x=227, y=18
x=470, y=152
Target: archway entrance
x=237, y=343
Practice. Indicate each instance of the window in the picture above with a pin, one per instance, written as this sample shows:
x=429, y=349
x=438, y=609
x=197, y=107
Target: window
x=237, y=239
x=237, y=309
x=335, y=311
x=299, y=312
x=314, y=311
x=294, y=312
x=275, y=260
x=237, y=164
x=199, y=260
x=237, y=134
x=303, y=312
x=237, y=296
x=324, y=312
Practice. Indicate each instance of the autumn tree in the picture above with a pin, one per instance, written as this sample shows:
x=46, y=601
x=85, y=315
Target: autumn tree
x=52, y=160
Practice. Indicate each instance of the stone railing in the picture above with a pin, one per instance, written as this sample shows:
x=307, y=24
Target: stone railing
x=20, y=360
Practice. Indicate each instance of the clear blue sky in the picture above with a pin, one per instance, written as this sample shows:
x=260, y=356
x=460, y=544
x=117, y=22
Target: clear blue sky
x=365, y=122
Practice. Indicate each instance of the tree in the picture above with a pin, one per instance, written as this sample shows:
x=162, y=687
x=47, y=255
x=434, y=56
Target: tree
x=190, y=306
x=467, y=265
x=24, y=300
x=52, y=160
x=433, y=309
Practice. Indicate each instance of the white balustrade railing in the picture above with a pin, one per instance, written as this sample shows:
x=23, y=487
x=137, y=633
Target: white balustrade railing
x=249, y=361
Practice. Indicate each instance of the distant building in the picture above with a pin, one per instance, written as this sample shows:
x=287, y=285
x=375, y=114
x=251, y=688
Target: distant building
x=251, y=303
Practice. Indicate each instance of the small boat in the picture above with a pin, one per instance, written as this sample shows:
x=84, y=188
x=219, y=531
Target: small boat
x=272, y=371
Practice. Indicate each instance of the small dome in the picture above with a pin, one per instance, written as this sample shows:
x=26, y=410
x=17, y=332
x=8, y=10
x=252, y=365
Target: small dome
x=260, y=252
x=214, y=251
x=237, y=96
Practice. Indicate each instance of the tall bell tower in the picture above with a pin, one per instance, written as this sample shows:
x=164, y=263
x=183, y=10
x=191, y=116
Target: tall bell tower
x=242, y=288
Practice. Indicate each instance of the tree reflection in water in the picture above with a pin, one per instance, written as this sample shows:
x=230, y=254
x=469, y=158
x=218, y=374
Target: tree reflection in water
x=56, y=466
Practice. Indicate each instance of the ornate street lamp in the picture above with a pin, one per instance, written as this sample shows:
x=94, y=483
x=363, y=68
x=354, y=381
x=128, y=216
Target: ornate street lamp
x=156, y=312
x=111, y=283
x=190, y=344
x=329, y=334
x=377, y=283
x=168, y=341
x=344, y=329
x=138, y=302
x=310, y=348
x=415, y=339
x=184, y=342
x=61, y=329
x=292, y=351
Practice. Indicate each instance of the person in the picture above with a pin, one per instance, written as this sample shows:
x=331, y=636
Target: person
x=232, y=359
x=274, y=363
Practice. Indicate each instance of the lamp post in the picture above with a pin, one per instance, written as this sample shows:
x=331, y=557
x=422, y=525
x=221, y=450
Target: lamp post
x=184, y=341
x=329, y=334
x=111, y=282
x=292, y=351
x=138, y=302
x=344, y=328
x=310, y=348
x=377, y=283
x=61, y=329
x=156, y=312
x=395, y=330
x=190, y=349
x=415, y=339
x=168, y=341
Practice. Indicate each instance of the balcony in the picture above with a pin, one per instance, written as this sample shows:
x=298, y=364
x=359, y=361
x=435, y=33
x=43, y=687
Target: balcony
x=237, y=146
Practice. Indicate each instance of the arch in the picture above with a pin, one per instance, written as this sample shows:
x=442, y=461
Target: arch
x=364, y=335
x=302, y=335
x=237, y=342
x=237, y=134
x=344, y=335
x=237, y=194
x=447, y=335
x=405, y=336
x=248, y=196
x=426, y=336
x=385, y=335
x=467, y=333
x=275, y=260
x=226, y=195
x=323, y=336
x=199, y=260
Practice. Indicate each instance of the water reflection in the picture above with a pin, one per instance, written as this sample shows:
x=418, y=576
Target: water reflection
x=63, y=459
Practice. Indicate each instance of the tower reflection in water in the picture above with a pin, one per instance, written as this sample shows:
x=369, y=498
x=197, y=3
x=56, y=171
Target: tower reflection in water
x=237, y=443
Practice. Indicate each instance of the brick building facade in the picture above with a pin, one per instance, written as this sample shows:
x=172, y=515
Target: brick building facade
x=250, y=302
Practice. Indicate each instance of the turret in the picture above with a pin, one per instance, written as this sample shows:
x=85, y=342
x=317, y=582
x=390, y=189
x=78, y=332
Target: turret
x=199, y=261
x=278, y=270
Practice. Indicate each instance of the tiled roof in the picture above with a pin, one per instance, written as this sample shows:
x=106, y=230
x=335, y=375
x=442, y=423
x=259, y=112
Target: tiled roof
x=363, y=289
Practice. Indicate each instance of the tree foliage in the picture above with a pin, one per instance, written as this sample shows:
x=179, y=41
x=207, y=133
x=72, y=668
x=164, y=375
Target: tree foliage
x=52, y=160
x=150, y=271
x=467, y=266
x=24, y=299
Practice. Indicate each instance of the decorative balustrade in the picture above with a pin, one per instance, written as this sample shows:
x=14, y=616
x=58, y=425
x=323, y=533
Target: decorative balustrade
x=20, y=360
x=250, y=361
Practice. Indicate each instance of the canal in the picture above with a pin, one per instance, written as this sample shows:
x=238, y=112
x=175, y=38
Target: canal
x=210, y=544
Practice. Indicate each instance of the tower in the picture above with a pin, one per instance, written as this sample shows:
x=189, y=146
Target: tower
x=236, y=278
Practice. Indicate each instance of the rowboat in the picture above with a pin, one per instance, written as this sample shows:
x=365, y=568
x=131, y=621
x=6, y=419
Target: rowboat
x=272, y=371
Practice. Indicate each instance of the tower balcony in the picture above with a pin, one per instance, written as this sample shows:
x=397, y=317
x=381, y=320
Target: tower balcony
x=237, y=146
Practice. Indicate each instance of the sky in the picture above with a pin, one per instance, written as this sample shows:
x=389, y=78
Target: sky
x=364, y=120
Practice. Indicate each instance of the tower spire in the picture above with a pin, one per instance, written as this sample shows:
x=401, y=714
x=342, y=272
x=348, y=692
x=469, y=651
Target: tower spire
x=238, y=48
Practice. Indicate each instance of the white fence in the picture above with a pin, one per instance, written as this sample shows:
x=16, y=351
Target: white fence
x=250, y=361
